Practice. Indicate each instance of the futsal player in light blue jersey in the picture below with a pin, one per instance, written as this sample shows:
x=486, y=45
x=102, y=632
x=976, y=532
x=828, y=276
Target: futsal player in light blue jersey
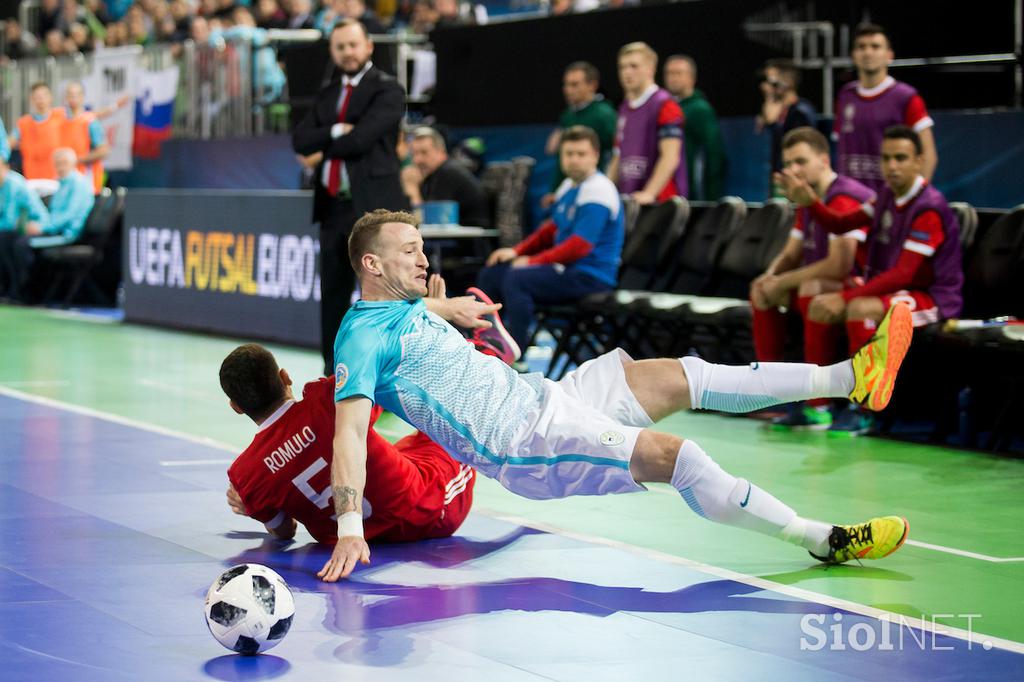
x=587, y=434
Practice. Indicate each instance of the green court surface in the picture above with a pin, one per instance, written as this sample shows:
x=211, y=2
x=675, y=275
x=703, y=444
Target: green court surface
x=963, y=565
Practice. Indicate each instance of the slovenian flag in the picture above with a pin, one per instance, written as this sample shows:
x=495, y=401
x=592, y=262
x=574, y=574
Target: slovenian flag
x=154, y=111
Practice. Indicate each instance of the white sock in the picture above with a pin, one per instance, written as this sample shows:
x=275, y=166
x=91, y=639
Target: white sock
x=809, y=534
x=747, y=388
x=719, y=496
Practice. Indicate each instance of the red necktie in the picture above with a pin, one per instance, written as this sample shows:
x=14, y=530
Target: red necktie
x=334, y=171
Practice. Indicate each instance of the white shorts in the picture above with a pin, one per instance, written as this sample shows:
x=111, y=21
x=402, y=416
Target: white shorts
x=580, y=439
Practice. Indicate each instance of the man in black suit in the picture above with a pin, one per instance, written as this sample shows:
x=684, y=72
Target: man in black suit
x=350, y=135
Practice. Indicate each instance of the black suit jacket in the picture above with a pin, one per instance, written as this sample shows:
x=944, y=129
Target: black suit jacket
x=376, y=110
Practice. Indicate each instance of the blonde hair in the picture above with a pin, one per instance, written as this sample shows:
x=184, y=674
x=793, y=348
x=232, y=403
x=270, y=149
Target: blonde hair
x=364, y=235
x=642, y=48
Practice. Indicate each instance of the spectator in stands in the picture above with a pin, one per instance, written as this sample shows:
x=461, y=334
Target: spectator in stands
x=647, y=162
x=329, y=14
x=18, y=43
x=812, y=262
x=85, y=136
x=71, y=13
x=449, y=14
x=585, y=107
x=79, y=39
x=702, y=139
x=357, y=9
x=53, y=43
x=199, y=30
x=782, y=109
x=300, y=13
x=118, y=8
x=559, y=8
x=335, y=10
x=270, y=15
x=139, y=26
x=96, y=16
x=354, y=123
x=38, y=133
x=49, y=16
x=573, y=254
x=434, y=177
x=268, y=77
x=876, y=101
x=423, y=18
x=117, y=34
x=224, y=10
x=20, y=209
x=913, y=251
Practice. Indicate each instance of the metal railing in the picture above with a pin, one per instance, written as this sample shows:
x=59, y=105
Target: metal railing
x=220, y=86
x=814, y=47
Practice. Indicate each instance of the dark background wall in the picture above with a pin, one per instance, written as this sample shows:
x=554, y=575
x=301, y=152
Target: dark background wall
x=510, y=73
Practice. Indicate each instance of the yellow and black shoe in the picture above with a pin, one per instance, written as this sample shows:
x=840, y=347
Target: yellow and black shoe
x=875, y=539
x=876, y=364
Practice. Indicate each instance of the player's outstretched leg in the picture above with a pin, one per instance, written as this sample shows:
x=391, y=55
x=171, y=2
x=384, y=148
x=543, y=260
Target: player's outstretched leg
x=868, y=378
x=719, y=496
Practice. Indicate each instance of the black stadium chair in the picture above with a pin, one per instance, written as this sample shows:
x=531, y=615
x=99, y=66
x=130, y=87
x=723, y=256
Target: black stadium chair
x=593, y=323
x=716, y=323
x=73, y=263
x=967, y=216
x=990, y=360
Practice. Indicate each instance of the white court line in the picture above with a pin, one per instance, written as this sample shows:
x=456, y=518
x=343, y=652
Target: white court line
x=40, y=383
x=79, y=316
x=975, y=638
x=915, y=543
x=195, y=462
x=116, y=419
x=963, y=552
x=205, y=396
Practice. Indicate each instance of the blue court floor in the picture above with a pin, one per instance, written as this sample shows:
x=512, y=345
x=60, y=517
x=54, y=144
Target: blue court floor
x=110, y=534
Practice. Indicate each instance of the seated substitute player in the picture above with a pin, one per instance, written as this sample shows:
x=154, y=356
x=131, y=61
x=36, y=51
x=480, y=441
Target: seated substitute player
x=812, y=262
x=414, y=489
x=573, y=254
x=913, y=252
x=585, y=435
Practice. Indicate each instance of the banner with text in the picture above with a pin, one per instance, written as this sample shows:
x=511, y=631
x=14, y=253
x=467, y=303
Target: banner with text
x=114, y=74
x=242, y=264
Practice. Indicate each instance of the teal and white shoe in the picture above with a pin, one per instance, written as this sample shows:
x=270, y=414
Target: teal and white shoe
x=852, y=421
x=803, y=417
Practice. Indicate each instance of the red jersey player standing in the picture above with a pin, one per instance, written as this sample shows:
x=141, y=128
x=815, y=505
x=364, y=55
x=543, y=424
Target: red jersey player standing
x=414, y=490
x=873, y=103
x=913, y=252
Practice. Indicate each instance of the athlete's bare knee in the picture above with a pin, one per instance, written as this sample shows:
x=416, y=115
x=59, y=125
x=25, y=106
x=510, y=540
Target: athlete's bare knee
x=660, y=386
x=654, y=456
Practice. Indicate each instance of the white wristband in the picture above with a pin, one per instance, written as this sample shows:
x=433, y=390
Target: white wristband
x=350, y=523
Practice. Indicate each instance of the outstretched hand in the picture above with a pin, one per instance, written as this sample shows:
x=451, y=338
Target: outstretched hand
x=350, y=550
x=467, y=312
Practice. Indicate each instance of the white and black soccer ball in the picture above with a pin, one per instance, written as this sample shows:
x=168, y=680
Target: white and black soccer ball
x=249, y=609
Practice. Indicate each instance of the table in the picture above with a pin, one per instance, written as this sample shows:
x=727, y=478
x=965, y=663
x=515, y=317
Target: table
x=437, y=235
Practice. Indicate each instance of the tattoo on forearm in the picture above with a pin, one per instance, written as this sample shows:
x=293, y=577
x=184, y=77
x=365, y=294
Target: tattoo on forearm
x=344, y=499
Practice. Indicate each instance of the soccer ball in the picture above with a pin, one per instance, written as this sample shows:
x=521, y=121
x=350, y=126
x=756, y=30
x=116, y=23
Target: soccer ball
x=249, y=609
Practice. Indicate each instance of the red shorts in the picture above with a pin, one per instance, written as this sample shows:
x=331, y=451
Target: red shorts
x=415, y=490
x=923, y=310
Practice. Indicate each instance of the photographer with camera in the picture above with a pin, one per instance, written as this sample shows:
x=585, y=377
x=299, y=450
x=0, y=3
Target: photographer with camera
x=783, y=109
